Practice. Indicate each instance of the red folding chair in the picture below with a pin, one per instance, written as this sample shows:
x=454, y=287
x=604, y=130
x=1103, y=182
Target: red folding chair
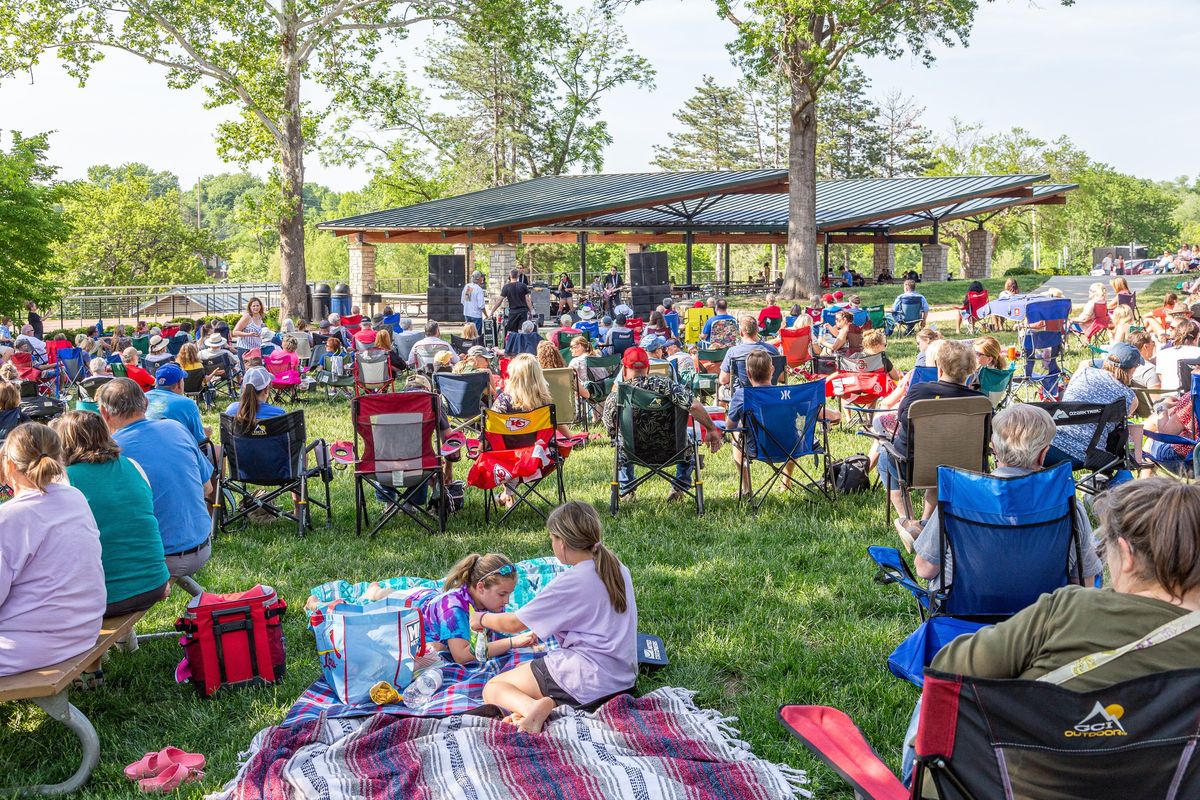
x=975, y=302
x=796, y=346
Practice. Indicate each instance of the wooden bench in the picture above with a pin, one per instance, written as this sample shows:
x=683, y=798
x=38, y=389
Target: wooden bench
x=49, y=687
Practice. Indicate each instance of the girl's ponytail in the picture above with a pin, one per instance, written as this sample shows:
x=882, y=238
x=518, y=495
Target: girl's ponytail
x=578, y=526
x=475, y=568
x=460, y=573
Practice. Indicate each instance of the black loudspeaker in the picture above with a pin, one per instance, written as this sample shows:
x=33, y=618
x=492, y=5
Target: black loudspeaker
x=648, y=269
x=645, y=299
x=448, y=272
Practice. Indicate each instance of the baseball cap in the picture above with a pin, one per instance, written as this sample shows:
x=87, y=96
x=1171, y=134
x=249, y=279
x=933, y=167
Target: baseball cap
x=169, y=374
x=258, y=377
x=1125, y=355
x=698, y=304
x=324, y=325
x=606, y=320
x=366, y=336
x=827, y=298
x=668, y=302
x=652, y=341
x=636, y=358
x=478, y=351
x=838, y=295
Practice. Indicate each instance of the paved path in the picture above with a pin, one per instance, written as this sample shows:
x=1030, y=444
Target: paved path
x=1075, y=287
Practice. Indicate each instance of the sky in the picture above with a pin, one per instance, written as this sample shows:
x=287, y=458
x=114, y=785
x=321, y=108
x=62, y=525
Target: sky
x=1117, y=78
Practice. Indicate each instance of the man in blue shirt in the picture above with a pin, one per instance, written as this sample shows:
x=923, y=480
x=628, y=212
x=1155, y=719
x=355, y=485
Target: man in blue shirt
x=167, y=401
x=179, y=474
x=909, y=294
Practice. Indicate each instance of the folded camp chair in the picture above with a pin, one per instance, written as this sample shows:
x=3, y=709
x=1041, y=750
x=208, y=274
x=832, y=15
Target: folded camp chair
x=738, y=377
x=398, y=454
x=70, y=368
x=1190, y=463
x=563, y=394
x=951, y=431
x=373, y=372
x=1011, y=540
x=652, y=432
x=86, y=391
x=796, y=345
x=273, y=455
x=693, y=323
x=908, y=320
x=981, y=739
x=1107, y=449
x=462, y=398
x=520, y=450
x=781, y=428
x=516, y=343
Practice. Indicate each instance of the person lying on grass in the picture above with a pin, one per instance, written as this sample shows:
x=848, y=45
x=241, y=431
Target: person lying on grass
x=589, y=609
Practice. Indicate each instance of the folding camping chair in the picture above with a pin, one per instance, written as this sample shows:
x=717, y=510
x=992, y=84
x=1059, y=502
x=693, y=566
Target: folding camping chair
x=1097, y=329
x=372, y=373
x=997, y=384
x=950, y=431
x=708, y=369
x=273, y=454
x=563, y=393
x=771, y=326
x=972, y=318
x=980, y=739
x=796, y=344
x=672, y=320
x=599, y=388
x=1045, y=345
x=285, y=381
x=1190, y=460
x=426, y=355
x=516, y=343
x=738, y=377
x=908, y=320
x=462, y=397
x=304, y=348
x=398, y=453
x=781, y=429
x=722, y=334
x=196, y=387
x=460, y=345
x=1107, y=449
x=86, y=391
x=562, y=339
x=652, y=432
x=141, y=344
x=693, y=323
x=620, y=341
x=338, y=373
x=520, y=450
x=1007, y=541
x=859, y=383
x=876, y=317
x=404, y=341
x=212, y=365
x=70, y=368
x=1131, y=301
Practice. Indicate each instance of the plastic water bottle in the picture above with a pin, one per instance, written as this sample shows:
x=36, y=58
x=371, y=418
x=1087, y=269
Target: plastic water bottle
x=481, y=646
x=424, y=686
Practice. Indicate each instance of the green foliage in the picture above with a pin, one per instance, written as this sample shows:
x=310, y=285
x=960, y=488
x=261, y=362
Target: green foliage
x=159, y=183
x=31, y=222
x=714, y=131
x=850, y=143
x=1015, y=271
x=125, y=235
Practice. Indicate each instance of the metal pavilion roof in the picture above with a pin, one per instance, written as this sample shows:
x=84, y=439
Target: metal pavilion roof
x=726, y=202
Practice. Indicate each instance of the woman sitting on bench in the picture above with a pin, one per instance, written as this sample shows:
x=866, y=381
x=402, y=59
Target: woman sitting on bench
x=51, y=580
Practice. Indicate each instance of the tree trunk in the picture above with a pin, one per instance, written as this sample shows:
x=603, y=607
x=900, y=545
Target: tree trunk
x=292, y=275
x=800, y=277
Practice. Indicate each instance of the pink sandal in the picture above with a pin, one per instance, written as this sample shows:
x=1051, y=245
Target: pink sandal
x=170, y=779
x=152, y=764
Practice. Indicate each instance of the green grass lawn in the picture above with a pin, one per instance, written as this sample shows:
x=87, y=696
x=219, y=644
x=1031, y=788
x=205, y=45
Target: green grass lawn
x=755, y=611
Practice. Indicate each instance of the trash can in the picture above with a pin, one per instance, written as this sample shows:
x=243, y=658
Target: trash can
x=340, y=302
x=318, y=302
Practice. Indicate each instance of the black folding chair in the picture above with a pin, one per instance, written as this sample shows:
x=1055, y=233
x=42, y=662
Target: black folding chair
x=398, y=454
x=652, y=432
x=195, y=386
x=462, y=397
x=274, y=455
x=224, y=382
x=1107, y=449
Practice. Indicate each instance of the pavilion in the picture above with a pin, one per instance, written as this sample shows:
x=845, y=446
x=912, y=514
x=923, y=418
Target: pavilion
x=725, y=208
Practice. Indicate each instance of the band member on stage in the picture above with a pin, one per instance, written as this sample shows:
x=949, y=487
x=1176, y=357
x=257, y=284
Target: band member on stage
x=522, y=275
x=613, y=283
x=516, y=295
x=565, y=289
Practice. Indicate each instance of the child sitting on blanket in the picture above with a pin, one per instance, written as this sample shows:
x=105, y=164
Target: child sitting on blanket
x=589, y=609
x=476, y=582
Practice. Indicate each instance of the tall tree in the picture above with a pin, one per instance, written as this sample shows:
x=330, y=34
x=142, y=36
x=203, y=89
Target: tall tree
x=715, y=132
x=807, y=40
x=160, y=182
x=767, y=110
x=31, y=221
x=253, y=55
x=850, y=143
x=907, y=143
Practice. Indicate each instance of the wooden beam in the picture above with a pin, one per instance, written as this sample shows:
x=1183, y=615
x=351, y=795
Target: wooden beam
x=1053, y=200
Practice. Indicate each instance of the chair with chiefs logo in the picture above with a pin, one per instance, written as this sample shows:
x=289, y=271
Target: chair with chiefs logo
x=520, y=450
x=398, y=453
x=979, y=739
x=860, y=381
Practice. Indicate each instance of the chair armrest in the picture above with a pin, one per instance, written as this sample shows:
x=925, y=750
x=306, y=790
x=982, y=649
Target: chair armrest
x=894, y=569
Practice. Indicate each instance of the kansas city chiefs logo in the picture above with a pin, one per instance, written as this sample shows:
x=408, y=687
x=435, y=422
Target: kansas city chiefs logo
x=501, y=474
x=516, y=423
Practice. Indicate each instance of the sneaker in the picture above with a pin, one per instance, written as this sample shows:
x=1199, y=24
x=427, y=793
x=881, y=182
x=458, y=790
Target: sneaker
x=675, y=494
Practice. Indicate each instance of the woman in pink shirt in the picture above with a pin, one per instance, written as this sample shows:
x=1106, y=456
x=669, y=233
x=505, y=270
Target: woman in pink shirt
x=52, y=593
x=589, y=609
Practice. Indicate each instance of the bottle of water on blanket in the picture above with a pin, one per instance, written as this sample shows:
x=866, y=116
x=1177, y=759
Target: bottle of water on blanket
x=424, y=686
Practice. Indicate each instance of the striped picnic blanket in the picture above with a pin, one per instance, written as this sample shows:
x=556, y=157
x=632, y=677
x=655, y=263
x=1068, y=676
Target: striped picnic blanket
x=657, y=747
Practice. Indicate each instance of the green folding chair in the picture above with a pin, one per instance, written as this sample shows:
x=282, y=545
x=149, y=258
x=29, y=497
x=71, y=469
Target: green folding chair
x=877, y=317
x=771, y=326
x=997, y=384
x=141, y=344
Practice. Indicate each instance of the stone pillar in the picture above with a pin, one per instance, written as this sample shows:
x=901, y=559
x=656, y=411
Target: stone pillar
x=934, y=258
x=362, y=273
x=885, y=259
x=979, y=254
x=502, y=259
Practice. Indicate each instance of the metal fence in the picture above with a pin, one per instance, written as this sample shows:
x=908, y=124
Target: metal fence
x=80, y=306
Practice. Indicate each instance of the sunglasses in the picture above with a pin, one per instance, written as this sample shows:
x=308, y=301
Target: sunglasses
x=507, y=569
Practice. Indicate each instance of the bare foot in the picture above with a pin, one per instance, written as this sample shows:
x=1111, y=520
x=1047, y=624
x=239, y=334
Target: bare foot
x=536, y=718
x=513, y=719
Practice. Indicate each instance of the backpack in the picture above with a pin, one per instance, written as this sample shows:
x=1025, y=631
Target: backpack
x=851, y=475
x=232, y=640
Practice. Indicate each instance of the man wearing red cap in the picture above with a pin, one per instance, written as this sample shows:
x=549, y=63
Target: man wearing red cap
x=636, y=372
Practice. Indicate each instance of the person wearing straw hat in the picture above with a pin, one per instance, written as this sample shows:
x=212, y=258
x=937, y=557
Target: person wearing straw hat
x=158, y=354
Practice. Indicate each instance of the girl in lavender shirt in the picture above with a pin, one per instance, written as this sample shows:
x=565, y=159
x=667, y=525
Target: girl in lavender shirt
x=52, y=593
x=589, y=609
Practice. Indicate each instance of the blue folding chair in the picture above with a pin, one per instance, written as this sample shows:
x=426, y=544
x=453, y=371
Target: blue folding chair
x=907, y=320
x=70, y=368
x=1189, y=463
x=737, y=371
x=1010, y=540
x=620, y=341
x=780, y=428
x=672, y=320
x=392, y=321
x=462, y=397
x=516, y=343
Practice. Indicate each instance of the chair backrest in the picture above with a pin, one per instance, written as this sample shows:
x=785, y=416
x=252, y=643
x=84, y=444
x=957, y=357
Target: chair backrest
x=911, y=310
x=620, y=341
x=738, y=376
x=995, y=382
x=175, y=344
x=303, y=346
x=90, y=385
x=722, y=333
x=783, y=419
x=921, y=375
x=72, y=364
x=404, y=343
x=462, y=394
x=562, y=339
x=1127, y=299
x=947, y=431
x=372, y=370
x=796, y=344
x=141, y=344
x=672, y=320
x=561, y=381
x=1101, y=312
x=709, y=361
x=877, y=316
x=653, y=430
x=426, y=353
x=29, y=389
x=976, y=301
x=118, y=369
x=317, y=355
x=693, y=323
x=771, y=325
x=193, y=381
x=861, y=362
x=1108, y=424
x=662, y=368
x=352, y=323
x=392, y=321
x=53, y=347
x=1026, y=738
x=460, y=345
x=396, y=436
x=9, y=419
x=516, y=343
x=508, y=431
x=1011, y=539
x=277, y=363
x=271, y=453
